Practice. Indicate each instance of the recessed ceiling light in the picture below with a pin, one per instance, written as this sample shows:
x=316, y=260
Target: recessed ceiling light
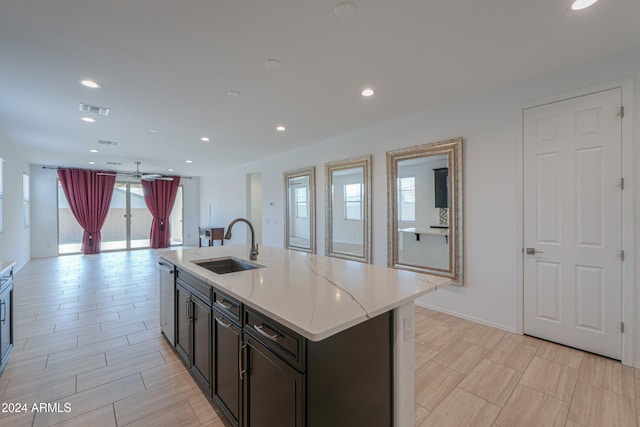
x=90, y=83
x=344, y=10
x=367, y=92
x=93, y=151
x=170, y=170
x=272, y=63
x=88, y=119
x=92, y=163
x=205, y=139
x=281, y=128
x=189, y=161
x=153, y=130
x=582, y=4
x=233, y=93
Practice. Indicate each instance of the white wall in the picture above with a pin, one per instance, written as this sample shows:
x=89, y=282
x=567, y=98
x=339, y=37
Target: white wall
x=489, y=124
x=254, y=204
x=44, y=211
x=14, y=240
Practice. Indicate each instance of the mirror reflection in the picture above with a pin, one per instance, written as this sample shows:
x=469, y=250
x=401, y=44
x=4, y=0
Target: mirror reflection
x=425, y=206
x=423, y=217
x=300, y=209
x=348, y=209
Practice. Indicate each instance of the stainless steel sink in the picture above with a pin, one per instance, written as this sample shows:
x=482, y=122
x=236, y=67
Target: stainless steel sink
x=226, y=265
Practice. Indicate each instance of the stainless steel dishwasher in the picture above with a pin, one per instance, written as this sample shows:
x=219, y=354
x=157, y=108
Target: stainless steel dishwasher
x=167, y=295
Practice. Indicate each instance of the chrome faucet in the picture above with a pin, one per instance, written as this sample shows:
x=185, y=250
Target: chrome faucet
x=253, y=253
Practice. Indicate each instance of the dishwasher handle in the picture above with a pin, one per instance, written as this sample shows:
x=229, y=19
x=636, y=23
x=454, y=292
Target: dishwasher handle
x=165, y=266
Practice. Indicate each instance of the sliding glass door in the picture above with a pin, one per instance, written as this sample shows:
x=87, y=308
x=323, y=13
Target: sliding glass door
x=128, y=223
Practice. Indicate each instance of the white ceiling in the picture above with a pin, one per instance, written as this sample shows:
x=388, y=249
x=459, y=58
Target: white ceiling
x=169, y=65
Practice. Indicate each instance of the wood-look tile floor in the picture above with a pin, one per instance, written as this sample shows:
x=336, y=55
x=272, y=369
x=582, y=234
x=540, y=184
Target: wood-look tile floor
x=469, y=374
x=86, y=336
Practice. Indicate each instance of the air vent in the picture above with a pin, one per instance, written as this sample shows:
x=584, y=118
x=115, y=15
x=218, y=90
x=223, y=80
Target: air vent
x=106, y=142
x=114, y=163
x=103, y=111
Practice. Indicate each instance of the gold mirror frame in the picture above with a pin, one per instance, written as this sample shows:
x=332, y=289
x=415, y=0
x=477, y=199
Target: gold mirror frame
x=453, y=150
x=363, y=162
x=289, y=242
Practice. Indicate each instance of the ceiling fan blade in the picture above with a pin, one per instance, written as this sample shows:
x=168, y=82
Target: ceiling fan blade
x=155, y=176
x=107, y=174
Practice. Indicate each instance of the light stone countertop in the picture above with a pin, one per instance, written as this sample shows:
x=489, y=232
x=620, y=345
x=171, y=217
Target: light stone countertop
x=314, y=295
x=5, y=265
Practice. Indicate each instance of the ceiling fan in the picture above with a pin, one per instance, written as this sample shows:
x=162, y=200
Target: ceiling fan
x=140, y=175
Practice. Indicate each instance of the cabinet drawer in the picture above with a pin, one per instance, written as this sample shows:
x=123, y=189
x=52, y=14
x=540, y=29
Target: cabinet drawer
x=229, y=306
x=195, y=286
x=285, y=343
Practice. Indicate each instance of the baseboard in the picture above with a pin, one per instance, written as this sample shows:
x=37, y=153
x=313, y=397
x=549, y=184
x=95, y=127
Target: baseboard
x=467, y=317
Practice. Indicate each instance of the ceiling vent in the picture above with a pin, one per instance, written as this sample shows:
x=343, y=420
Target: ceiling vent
x=107, y=142
x=103, y=111
x=114, y=163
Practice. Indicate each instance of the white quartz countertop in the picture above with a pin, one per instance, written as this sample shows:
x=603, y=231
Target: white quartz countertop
x=5, y=265
x=315, y=296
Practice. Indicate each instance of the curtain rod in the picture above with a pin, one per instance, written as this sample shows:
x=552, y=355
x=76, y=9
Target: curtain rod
x=105, y=170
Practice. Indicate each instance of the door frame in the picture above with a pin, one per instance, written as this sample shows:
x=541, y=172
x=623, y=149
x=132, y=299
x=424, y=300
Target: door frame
x=628, y=287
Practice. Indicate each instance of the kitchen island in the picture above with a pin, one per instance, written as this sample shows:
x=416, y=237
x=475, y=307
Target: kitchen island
x=317, y=314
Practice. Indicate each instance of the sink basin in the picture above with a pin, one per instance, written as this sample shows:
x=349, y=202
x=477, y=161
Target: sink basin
x=226, y=265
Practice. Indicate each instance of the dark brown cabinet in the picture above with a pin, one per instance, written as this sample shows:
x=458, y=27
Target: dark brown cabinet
x=441, y=187
x=183, y=325
x=273, y=390
x=226, y=386
x=263, y=374
x=201, y=342
x=6, y=316
x=193, y=333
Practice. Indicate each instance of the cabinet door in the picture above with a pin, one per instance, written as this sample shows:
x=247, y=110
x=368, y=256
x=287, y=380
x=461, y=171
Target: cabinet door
x=201, y=341
x=5, y=323
x=183, y=323
x=273, y=389
x=226, y=365
x=441, y=187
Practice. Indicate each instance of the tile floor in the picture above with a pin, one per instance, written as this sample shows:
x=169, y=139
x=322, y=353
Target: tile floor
x=86, y=334
x=469, y=374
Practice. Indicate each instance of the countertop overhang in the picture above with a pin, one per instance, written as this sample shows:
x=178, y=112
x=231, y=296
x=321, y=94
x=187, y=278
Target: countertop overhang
x=314, y=295
x=5, y=265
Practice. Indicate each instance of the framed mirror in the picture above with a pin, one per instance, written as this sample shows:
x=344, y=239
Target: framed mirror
x=300, y=215
x=348, y=209
x=424, y=187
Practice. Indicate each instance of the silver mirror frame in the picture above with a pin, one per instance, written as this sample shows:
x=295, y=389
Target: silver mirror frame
x=311, y=173
x=453, y=149
x=363, y=162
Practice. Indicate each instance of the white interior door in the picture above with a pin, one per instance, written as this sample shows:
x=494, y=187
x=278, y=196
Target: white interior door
x=573, y=222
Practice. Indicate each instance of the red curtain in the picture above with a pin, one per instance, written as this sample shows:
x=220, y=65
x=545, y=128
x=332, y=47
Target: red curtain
x=89, y=196
x=159, y=195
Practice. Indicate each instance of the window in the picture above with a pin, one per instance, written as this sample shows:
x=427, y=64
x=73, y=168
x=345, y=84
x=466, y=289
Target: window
x=407, y=199
x=352, y=201
x=26, y=199
x=301, y=202
x=1, y=192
